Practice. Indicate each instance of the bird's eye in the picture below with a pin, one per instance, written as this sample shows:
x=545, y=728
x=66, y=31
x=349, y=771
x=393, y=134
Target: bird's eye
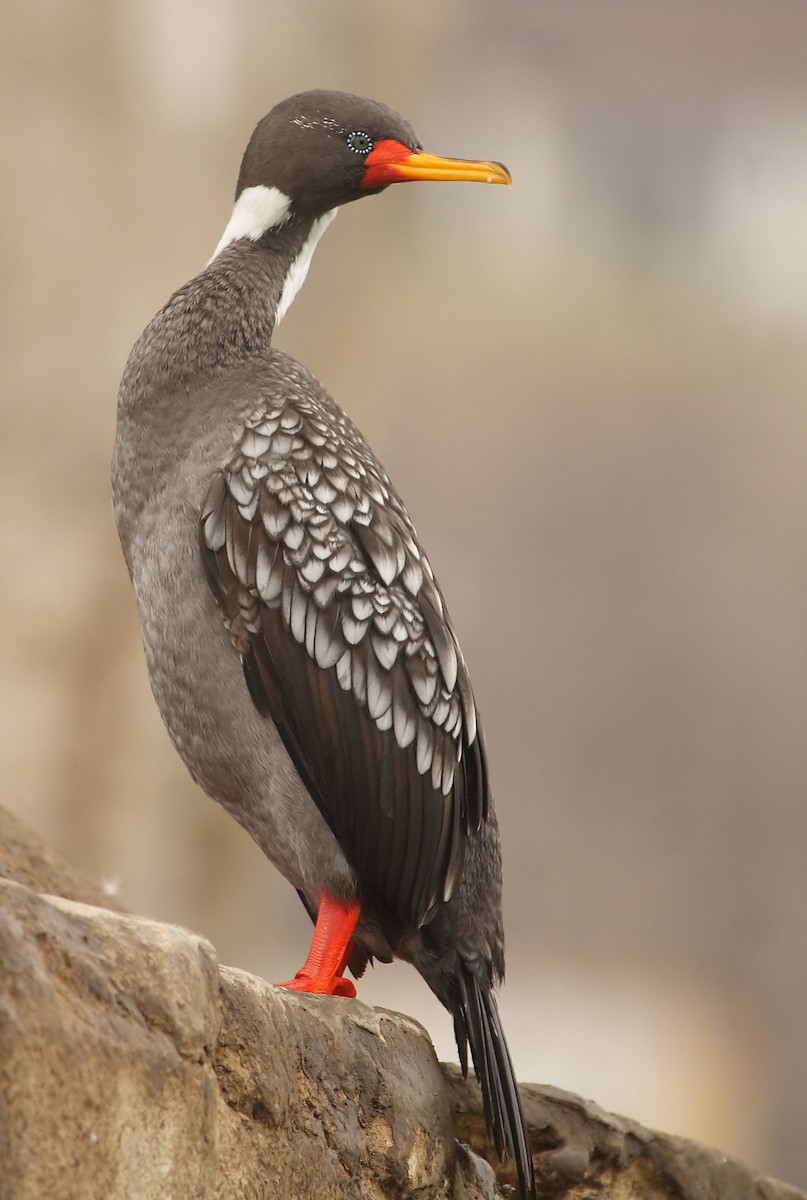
x=360, y=143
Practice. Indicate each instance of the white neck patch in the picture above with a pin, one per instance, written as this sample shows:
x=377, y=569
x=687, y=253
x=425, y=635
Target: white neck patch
x=299, y=268
x=256, y=210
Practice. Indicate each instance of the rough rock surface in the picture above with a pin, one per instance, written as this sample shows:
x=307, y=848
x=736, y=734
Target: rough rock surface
x=26, y=859
x=584, y=1153
x=133, y=1067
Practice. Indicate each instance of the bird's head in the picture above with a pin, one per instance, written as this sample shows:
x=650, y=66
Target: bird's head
x=322, y=149
x=319, y=150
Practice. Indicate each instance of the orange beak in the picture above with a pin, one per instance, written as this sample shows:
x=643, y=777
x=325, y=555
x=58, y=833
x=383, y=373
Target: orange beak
x=392, y=162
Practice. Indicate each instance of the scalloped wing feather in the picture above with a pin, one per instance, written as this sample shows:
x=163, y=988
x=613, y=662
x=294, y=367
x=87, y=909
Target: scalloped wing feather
x=347, y=646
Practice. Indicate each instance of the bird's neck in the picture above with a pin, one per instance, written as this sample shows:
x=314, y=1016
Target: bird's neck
x=227, y=313
x=263, y=217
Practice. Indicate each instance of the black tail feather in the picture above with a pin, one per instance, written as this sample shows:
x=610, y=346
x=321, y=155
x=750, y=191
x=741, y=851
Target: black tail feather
x=460, y=1032
x=476, y=1022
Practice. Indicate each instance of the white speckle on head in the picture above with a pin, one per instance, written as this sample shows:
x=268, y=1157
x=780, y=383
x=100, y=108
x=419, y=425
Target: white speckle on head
x=110, y=887
x=304, y=122
x=299, y=268
x=256, y=210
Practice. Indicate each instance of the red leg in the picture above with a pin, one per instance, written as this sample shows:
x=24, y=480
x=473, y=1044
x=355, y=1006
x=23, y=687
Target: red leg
x=331, y=947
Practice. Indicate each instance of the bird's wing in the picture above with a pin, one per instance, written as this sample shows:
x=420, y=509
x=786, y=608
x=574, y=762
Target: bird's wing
x=347, y=646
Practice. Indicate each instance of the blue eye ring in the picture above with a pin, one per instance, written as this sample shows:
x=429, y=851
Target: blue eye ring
x=360, y=142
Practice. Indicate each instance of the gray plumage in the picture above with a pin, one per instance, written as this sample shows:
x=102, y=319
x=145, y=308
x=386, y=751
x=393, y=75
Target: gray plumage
x=297, y=643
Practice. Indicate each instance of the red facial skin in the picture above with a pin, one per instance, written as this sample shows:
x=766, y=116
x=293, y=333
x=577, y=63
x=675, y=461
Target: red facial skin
x=381, y=163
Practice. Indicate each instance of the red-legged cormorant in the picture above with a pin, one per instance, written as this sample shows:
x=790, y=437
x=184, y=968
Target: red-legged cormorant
x=298, y=645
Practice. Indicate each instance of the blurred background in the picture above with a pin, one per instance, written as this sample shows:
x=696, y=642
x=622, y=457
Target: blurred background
x=591, y=392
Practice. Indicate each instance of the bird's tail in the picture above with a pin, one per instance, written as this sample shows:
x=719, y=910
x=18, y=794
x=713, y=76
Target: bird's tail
x=476, y=1022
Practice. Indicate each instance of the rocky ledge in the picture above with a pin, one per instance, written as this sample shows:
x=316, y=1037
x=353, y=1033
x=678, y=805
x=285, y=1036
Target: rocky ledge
x=134, y=1067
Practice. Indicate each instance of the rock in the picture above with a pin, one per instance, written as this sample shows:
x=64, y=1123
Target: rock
x=133, y=1067
x=583, y=1153
x=27, y=859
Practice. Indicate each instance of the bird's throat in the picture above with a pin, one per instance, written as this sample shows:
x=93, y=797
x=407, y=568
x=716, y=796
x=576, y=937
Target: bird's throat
x=258, y=212
x=295, y=276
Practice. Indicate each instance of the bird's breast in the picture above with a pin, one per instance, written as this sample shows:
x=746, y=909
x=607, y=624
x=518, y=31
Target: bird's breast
x=235, y=754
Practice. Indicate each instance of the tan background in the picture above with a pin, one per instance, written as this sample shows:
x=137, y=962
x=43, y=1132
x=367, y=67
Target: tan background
x=592, y=393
